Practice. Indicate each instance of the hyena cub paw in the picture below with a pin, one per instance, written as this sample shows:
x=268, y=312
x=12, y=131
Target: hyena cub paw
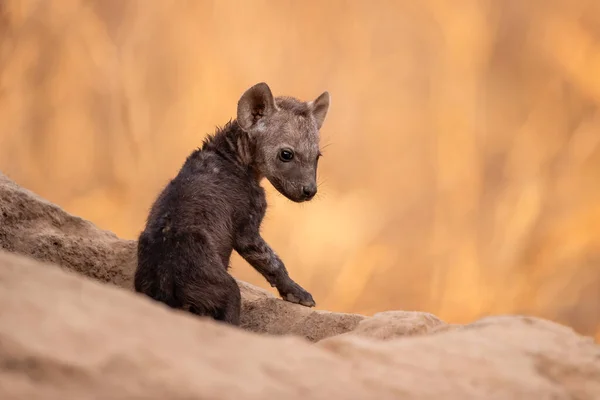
x=296, y=294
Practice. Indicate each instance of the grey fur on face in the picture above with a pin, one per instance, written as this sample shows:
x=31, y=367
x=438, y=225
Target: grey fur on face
x=215, y=205
x=286, y=134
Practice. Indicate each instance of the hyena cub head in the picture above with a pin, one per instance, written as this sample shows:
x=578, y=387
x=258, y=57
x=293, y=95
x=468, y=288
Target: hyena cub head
x=285, y=132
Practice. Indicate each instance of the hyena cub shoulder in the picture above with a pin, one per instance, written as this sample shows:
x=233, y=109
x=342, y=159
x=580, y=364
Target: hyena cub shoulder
x=215, y=205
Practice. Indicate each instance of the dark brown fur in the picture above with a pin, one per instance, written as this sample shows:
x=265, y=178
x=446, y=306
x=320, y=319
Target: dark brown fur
x=215, y=205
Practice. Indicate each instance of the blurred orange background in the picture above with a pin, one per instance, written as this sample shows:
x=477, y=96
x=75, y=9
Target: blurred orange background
x=462, y=147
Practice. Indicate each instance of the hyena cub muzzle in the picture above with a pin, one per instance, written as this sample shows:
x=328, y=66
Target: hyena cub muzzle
x=215, y=205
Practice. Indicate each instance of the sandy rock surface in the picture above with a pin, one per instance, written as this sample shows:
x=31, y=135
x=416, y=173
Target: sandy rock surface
x=394, y=324
x=66, y=334
x=63, y=336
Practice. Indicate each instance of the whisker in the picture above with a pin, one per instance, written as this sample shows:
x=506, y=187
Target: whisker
x=320, y=196
x=325, y=146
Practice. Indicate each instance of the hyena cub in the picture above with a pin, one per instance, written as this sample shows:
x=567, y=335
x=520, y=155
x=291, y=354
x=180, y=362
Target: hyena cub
x=216, y=204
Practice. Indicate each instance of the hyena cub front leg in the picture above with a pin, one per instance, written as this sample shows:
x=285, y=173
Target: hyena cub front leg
x=253, y=248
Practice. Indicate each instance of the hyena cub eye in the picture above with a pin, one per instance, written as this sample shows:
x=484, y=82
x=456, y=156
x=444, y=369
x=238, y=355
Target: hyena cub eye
x=286, y=155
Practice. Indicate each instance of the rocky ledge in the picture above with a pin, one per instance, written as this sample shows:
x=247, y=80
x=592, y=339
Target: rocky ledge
x=72, y=328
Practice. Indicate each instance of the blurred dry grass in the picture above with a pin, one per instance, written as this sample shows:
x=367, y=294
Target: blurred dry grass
x=463, y=167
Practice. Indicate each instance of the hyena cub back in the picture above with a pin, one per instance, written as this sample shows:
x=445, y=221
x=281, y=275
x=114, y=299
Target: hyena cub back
x=215, y=205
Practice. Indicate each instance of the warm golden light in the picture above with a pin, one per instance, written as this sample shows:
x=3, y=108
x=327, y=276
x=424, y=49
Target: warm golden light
x=461, y=174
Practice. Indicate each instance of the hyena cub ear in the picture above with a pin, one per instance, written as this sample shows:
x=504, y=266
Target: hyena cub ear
x=319, y=108
x=255, y=104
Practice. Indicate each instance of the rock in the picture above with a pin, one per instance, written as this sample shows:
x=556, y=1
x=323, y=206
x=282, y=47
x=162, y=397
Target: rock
x=495, y=358
x=32, y=226
x=65, y=336
x=392, y=324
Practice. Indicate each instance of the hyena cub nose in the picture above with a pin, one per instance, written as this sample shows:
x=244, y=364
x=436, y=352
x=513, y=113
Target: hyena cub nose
x=309, y=191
